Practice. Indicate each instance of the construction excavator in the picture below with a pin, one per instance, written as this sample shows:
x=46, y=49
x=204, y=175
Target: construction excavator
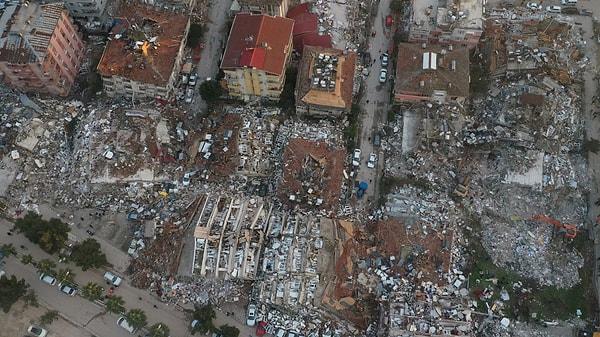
x=569, y=230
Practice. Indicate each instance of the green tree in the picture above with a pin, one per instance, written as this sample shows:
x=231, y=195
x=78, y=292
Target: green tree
x=203, y=314
x=49, y=317
x=158, y=330
x=31, y=299
x=210, y=91
x=229, y=331
x=46, y=266
x=115, y=304
x=396, y=6
x=137, y=318
x=11, y=290
x=49, y=235
x=8, y=250
x=27, y=259
x=195, y=35
x=88, y=254
x=92, y=291
x=66, y=276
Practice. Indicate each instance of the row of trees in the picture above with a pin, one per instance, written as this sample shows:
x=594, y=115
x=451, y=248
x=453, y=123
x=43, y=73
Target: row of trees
x=202, y=322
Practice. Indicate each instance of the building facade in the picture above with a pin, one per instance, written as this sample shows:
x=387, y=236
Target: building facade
x=41, y=49
x=143, y=57
x=86, y=9
x=267, y=7
x=257, y=53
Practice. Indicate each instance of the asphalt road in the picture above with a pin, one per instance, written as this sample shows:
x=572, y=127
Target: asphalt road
x=89, y=316
x=375, y=103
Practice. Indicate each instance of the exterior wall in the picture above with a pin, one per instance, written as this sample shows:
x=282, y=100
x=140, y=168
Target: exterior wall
x=57, y=72
x=90, y=9
x=459, y=37
x=121, y=86
x=268, y=9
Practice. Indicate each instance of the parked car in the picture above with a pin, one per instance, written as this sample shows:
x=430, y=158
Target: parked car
x=193, y=79
x=367, y=59
x=586, y=12
x=37, y=331
x=67, y=289
x=385, y=59
x=123, y=323
x=383, y=75
x=372, y=160
x=189, y=95
x=508, y=4
x=553, y=9
x=186, y=179
x=533, y=5
x=356, y=157
x=281, y=333
x=251, y=317
x=377, y=139
x=112, y=279
x=48, y=279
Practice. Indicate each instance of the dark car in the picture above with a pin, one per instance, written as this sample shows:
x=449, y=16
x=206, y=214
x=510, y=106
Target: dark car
x=367, y=59
x=586, y=12
x=377, y=139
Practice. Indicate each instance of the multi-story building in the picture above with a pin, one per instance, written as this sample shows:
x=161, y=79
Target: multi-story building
x=457, y=23
x=431, y=73
x=145, y=52
x=86, y=9
x=256, y=56
x=40, y=48
x=267, y=7
x=325, y=82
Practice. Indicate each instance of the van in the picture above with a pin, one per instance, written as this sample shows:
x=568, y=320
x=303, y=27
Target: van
x=112, y=279
x=123, y=323
x=568, y=2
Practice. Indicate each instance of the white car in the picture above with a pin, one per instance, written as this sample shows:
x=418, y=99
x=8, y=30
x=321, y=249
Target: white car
x=67, y=289
x=372, y=160
x=123, y=323
x=533, y=5
x=356, y=158
x=383, y=75
x=186, y=179
x=193, y=79
x=553, y=9
x=251, y=318
x=189, y=95
x=37, y=331
x=112, y=279
x=385, y=58
x=48, y=279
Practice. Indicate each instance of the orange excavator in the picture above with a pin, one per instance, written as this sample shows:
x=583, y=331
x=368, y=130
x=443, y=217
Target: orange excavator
x=569, y=230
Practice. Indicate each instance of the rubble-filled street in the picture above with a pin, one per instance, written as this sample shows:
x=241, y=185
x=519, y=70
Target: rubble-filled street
x=459, y=214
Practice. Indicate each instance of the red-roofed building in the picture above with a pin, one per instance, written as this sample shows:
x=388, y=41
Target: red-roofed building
x=257, y=53
x=306, y=28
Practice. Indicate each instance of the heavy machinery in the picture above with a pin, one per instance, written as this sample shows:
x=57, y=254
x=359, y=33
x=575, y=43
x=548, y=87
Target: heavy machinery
x=569, y=230
x=462, y=189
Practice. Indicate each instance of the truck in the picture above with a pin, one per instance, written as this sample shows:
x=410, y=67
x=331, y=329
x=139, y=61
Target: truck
x=362, y=187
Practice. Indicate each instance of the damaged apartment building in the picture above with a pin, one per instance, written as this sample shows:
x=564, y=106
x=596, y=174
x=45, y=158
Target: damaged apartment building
x=256, y=56
x=144, y=53
x=41, y=49
x=458, y=23
x=325, y=82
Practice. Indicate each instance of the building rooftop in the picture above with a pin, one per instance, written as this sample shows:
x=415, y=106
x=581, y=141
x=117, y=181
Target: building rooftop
x=326, y=77
x=144, y=43
x=431, y=15
x=432, y=68
x=27, y=30
x=258, y=41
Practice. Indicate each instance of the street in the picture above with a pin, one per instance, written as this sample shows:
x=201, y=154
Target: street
x=375, y=103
